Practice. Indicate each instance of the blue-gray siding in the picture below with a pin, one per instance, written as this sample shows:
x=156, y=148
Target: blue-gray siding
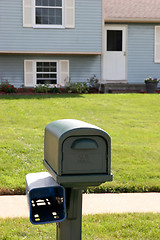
x=86, y=36
x=141, y=53
x=81, y=67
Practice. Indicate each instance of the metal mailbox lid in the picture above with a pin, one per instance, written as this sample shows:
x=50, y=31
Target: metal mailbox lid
x=84, y=154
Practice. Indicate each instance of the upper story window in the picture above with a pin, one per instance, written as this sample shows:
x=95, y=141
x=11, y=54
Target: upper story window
x=49, y=12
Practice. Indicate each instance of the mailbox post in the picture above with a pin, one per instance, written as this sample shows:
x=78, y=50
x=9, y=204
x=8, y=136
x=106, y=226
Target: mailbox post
x=76, y=155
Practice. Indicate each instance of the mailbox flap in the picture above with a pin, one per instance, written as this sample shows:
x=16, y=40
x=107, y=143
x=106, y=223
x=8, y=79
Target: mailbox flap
x=84, y=143
x=83, y=155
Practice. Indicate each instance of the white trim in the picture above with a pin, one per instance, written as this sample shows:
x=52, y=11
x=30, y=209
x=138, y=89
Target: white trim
x=48, y=25
x=156, y=45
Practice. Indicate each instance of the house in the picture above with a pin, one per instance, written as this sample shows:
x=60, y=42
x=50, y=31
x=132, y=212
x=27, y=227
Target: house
x=50, y=41
x=131, y=37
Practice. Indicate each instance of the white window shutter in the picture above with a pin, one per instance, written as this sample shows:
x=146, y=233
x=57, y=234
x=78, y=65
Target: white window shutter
x=29, y=79
x=157, y=44
x=64, y=72
x=27, y=13
x=70, y=13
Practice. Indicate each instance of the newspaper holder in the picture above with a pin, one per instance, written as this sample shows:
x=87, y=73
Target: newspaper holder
x=46, y=198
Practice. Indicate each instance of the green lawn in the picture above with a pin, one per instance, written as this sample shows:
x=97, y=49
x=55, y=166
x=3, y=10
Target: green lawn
x=96, y=227
x=132, y=121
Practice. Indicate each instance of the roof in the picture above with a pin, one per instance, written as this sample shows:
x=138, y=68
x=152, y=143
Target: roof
x=131, y=10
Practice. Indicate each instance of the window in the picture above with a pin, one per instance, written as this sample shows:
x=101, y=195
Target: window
x=48, y=12
x=114, y=40
x=46, y=72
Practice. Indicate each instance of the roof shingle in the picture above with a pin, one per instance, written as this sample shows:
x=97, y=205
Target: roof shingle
x=132, y=10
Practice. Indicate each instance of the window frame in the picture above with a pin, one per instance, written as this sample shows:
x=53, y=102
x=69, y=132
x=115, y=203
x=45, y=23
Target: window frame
x=57, y=72
x=48, y=25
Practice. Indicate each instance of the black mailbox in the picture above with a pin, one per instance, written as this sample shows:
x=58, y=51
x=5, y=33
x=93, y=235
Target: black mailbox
x=77, y=153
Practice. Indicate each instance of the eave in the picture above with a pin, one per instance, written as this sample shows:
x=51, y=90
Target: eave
x=132, y=20
x=49, y=53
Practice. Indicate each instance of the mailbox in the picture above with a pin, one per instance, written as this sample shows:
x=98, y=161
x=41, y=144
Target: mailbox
x=77, y=153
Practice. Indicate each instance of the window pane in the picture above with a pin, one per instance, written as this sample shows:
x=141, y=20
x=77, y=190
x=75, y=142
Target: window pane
x=53, y=64
x=58, y=16
x=53, y=69
x=52, y=20
x=53, y=76
x=52, y=12
x=39, y=64
x=45, y=2
x=46, y=64
x=58, y=20
x=114, y=40
x=58, y=12
x=46, y=69
x=45, y=12
x=39, y=75
x=49, y=16
x=59, y=3
x=52, y=2
x=38, y=2
x=39, y=69
x=38, y=12
x=46, y=81
x=44, y=20
x=38, y=15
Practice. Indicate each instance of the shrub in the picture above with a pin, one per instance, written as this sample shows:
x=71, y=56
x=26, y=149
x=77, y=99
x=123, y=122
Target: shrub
x=5, y=86
x=41, y=88
x=47, y=88
x=78, y=87
x=152, y=80
x=93, y=82
x=55, y=90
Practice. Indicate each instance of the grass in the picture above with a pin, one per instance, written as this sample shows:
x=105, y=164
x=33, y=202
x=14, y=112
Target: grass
x=96, y=227
x=132, y=120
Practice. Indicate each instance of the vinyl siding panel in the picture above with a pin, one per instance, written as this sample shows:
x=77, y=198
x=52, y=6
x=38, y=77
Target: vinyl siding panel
x=141, y=53
x=85, y=37
x=81, y=67
x=11, y=69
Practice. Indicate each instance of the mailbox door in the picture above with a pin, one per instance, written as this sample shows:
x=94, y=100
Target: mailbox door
x=84, y=154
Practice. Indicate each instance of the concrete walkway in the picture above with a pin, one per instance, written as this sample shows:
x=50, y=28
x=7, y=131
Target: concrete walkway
x=16, y=206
